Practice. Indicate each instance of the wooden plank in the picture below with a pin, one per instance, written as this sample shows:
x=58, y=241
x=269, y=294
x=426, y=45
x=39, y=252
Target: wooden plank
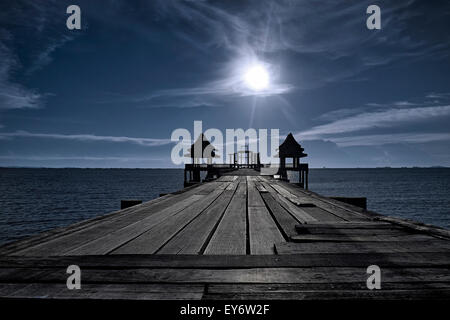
x=113, y=239
x=299, y=196
x=333, y=232
x=434, y=294
x=210, y=187
x=350, y=238
x=16, y=246
x=291, y=203
x=67, y=242
x=247, y=275
x=303, y=256
x=346, y=206
x=7, y=289
x=141, y=291
x=226, y=178
x=115, y=219
x=420, y=227
x=221, y=291
x=296, y=198
x=193, y=238
x=263, y=232
x=155, y=237
x=232, y=186
x=363, y=247
x=298, y=213
x=261, y=188
x=351, y=225
x=320, y=214
x=288, y=195
x=304, y=203
x=344, y=211
x=254, y=198
x=283, y=218
x=305, y=230
x=248, y=288
x=305, y=211
x=230, y=236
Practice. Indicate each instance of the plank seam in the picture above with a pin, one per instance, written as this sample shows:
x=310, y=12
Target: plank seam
x=193, y=219
x=283, y=233
x=208, y=239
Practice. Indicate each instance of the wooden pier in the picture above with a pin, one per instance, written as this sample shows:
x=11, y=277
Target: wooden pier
x=241, y=236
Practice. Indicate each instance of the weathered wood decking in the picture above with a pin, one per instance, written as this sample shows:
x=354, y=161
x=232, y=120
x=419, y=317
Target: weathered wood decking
x=238, y=237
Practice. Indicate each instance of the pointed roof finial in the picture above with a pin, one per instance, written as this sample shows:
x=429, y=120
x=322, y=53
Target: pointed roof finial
x=290, y=148
x=202, y=148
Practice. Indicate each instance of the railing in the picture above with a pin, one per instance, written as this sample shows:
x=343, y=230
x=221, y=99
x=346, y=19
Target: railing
x=288, y=166
x=205, y=166
x=192, y=171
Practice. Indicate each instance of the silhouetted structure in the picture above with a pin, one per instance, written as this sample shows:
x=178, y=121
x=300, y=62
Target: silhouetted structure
x=200, y=149
x=203, y=149
x=245, y=159
x=291, y=149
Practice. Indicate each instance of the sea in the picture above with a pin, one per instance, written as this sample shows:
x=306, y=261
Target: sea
x=33, y=200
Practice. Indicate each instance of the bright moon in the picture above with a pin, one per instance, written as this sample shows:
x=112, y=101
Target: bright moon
x=257, y=78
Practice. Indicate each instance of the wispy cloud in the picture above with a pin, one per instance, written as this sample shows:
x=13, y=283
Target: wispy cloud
x=381, y=139
x=287, y=26
x=148, y=142
x=44, y=57
x=325, y=46
x=404, y=104
x=347, y=127
x=439, y=95
x=45, y=36
x=370, y=120
x=231, y=87
x=87, y=158
x=13, y=95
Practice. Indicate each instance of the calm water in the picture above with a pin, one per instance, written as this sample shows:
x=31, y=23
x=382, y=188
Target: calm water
x=34, y=200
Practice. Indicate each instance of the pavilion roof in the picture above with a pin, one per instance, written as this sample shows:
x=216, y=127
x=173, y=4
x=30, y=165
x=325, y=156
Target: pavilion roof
x=202, y=148
x=291, y=148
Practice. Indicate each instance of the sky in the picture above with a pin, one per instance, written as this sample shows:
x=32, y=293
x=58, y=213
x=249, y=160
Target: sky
x=112, y=93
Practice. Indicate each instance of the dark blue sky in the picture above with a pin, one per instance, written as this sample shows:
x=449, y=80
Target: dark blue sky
x=111, y=94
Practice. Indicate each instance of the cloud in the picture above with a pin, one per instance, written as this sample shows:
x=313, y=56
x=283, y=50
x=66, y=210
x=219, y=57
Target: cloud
x=404, y=104
x=381, y=139
x=229, y=87
x=370, y=120
x=148, y=142
x=44, y=57
x=14, y=95
x=439, y=95
x=325, y=33
x=340, y=113
x=320, y=37
x=183, y=103
x=27, y=53
x=87, y=158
